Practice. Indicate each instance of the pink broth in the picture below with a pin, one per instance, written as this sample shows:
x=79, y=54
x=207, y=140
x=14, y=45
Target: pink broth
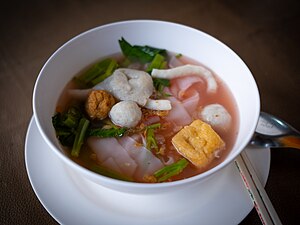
x=198, y=89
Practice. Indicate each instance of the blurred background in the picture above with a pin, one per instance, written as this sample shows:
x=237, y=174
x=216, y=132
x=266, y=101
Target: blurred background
x=265, y=34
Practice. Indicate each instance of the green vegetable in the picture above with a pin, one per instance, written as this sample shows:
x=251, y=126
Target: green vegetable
x=159, y=85
x=151, y=142
x=158, y=62
x=65, y=125
x=80, y=135
x=153, y=126
x=178, y=55
x=109, y=173
x=171, y=170
x=97, y=73
x=143, y=54
x=70, y=128
x=104, y=133
x=66, y=136
x=71, y=118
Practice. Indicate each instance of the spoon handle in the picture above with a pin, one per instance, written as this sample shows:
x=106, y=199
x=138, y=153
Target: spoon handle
x=290, y=141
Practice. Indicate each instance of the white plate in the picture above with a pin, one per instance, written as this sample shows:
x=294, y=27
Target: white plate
x=71, y=199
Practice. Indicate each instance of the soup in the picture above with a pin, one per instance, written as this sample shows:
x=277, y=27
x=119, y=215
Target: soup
x=146, y=115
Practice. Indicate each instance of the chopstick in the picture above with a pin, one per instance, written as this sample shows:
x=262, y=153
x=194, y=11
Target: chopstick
x=256, y=191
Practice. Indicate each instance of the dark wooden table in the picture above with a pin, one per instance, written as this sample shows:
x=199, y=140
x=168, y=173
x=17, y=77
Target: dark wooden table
x=264, y=33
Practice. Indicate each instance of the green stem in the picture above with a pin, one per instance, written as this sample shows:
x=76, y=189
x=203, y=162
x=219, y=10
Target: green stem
x=171, y=170
x=80, y=135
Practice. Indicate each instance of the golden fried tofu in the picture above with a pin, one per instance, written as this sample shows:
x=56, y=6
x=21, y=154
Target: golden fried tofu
x=98, y=104
x=198, y=142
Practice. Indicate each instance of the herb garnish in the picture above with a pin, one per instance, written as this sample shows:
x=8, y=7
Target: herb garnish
x=110, y=132
x=151, y=142
x=97, y=73
x=159, y=85
x=143, y=54
x=70, y=128
x=171, y=170
x=158, y=62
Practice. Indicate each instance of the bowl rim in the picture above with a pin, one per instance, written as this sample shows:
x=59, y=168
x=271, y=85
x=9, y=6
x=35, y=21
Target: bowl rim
x=129, y=184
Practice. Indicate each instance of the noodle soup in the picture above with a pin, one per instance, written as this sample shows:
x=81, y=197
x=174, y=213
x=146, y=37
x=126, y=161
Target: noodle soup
x=146, y=115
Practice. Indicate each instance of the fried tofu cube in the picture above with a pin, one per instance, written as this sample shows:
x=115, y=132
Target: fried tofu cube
x=198, y=142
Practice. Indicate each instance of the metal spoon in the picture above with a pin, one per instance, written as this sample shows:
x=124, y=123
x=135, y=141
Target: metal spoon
x=272, y=132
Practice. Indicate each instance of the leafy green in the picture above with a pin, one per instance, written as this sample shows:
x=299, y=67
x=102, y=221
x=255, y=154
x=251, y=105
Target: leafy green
x=70, y=128
x=109, y=70
x=109, y=173
x=104, y=133
x=151, y=142
x=143, y=54
x=80, y=135
x=66, y=136
x=158, y=62
x=150, y=139
x=97, y=72
x=178, y=55
x=171, y=170
x=153, y=126
x=69, y=119
x=65, y=125
x=159, y=85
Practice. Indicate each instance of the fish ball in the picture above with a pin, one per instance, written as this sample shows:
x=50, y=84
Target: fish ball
x=217, y=116
x=126, y=114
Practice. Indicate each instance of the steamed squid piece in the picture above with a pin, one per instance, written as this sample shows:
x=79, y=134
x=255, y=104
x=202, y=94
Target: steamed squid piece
x=188, y=70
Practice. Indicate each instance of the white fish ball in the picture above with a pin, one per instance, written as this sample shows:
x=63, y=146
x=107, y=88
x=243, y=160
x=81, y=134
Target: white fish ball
x=125, y=114
x=216, y=115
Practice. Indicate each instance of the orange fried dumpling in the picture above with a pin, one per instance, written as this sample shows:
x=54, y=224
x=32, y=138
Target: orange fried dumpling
x=198, y=143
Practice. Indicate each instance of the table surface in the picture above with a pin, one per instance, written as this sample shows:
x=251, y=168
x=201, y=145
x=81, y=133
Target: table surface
x=264, y=34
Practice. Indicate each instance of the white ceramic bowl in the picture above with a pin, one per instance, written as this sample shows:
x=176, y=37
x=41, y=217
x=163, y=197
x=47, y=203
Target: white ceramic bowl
x=102, y=41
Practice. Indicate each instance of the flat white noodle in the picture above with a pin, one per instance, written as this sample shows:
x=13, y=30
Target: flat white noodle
x=147, y=163
x=103, y=148
x=79, y=94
